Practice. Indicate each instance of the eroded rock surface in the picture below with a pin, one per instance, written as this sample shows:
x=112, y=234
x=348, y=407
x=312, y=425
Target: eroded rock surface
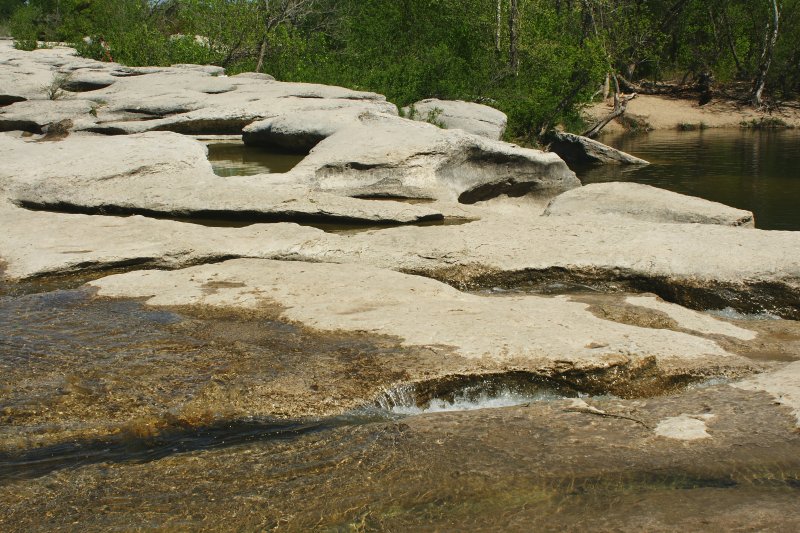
x=182, y=98
x=149, y=409
x=35, y=115
x=299, y=132
x=82, y=243
x=643, y=202
x=687, y=263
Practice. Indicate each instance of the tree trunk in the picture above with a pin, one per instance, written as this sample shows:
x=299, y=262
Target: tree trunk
x=263, y=12
x=498, y=27
x=766, y=57
x=513, y=27
x=620, y=105
x=261, y=53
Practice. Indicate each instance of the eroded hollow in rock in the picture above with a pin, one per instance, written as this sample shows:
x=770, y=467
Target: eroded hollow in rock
x=8, y=99
x=239, y=159
x=751, y=298
x=328, y=222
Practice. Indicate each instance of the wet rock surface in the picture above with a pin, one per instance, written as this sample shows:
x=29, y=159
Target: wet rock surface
x=325, y=380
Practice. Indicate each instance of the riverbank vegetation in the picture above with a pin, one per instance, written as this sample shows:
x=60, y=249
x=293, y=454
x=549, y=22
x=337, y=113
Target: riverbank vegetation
x=537, y=60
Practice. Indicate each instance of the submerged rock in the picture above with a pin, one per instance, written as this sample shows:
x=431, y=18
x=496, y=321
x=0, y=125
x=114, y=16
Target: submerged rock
x=537, y=467
x=575, y=149
x=782, y=384
x=643, y=202
x=473, y=118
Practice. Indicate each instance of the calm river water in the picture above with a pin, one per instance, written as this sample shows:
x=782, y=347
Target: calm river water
x=754, y=170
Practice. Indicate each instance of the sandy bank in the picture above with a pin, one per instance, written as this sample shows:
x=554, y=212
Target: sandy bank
x=662, y=113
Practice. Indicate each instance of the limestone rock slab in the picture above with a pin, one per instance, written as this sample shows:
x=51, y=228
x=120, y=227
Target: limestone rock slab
x=387, y=156
x=537, y=332
x=575, y=149
x=86, y=80
x=35, y=115
x=32, y=241
x=299, y=131
x=471, y=117
x=643, y=202
x=167, y=174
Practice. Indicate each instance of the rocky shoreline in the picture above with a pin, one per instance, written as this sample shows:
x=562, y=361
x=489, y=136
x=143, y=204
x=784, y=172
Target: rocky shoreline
x=442, y=292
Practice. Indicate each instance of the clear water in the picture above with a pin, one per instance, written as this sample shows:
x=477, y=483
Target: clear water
x=237, y=159
x=754, y=170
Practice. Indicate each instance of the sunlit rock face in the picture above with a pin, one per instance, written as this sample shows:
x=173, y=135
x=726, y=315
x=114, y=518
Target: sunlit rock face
x=643, y=202
x=471, y=117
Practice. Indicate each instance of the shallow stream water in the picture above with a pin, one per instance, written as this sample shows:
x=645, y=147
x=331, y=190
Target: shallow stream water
x=119, y=416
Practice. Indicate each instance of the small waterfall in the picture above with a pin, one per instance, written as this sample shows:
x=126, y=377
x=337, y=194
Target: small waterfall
x=398, y=398
x=488, y=393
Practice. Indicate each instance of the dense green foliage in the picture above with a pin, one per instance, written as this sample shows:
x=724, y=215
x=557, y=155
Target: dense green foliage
x=537, y=60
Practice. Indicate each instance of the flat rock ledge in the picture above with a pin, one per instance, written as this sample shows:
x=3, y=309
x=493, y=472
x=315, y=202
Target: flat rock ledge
x=690, y=264
x=643, y=202
x=575, y=149
x=166, y=174
x=549, y=336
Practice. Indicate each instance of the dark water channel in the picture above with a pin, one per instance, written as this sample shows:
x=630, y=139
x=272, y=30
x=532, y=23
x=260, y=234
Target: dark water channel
x=754, y=170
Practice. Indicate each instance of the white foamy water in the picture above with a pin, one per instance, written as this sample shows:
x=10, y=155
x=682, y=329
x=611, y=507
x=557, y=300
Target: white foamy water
x=402, y=400
x=733, y=314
